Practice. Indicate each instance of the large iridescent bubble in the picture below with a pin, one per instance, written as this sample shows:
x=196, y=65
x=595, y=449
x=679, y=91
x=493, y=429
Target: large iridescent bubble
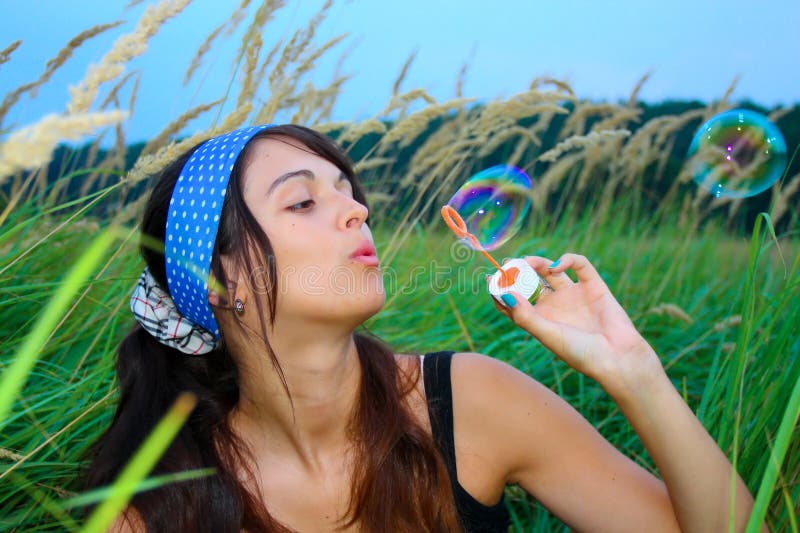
x=736, y=154
x=493, y=204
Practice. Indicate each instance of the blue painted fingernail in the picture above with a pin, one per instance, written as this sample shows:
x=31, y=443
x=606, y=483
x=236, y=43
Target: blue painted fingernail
x=555, y=263
x=509, y=300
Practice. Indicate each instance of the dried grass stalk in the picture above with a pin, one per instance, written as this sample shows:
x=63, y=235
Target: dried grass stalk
x=401, y=101
x=561, y=85
x=113, y=94
x=375, y=198
x=634, y=97
x=329, y=127
x=250, y=83
x=581, y=141
x=435, y=147
x=776, y=114
x=375, y=162
x=403, y=72
x=410, y=128
x=54, y=64
x=553, y=176
x=504, y=135
x=731, y=321
x=670, y=310
x=264, y=14
x=229, y=25
x=500, y=114
x=461, y=78
x=8, y=454
x=150, y=164
x=32, y=146
x=619, y=119
x=174, y=127
x=356, y=131
x=204, y=47
x=124, y=49
x=576, y=123
x=724, y=101
x=782, y=202
x=728, y=347
x=5, y=53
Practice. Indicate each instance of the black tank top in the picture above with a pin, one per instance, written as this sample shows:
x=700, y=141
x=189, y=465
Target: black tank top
x=475, y=517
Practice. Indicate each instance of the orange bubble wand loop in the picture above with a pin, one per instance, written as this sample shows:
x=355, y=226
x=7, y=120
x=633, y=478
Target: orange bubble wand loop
x=459, y=227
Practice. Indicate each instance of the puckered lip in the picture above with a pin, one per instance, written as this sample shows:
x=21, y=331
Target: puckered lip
x=365, y=249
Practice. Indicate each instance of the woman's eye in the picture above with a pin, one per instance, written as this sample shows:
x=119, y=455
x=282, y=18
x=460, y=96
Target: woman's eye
x=301, y=206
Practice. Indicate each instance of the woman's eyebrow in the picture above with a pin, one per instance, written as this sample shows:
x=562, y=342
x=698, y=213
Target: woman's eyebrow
x=304, y=173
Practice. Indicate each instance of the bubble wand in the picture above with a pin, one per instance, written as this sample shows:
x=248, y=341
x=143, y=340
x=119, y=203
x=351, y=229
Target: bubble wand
x=517, y=276
x=459, y=227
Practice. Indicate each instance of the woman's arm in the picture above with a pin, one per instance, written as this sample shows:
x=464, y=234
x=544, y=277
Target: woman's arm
x=582, y=323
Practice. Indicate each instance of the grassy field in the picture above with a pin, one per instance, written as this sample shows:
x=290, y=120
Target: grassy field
x=711, y=284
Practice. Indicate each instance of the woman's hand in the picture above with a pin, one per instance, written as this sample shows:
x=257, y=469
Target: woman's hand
x=583, y=324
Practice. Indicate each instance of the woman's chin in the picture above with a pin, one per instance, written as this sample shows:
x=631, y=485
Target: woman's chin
x=370, y=305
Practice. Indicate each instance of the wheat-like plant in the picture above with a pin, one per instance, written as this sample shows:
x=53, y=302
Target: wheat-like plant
x=582, y=141
x=53, y=65
x=561, y=85
x=5, y=53
x=634, y=96
x=619, y=119
x=31, y=147
x=781, y=206
x=124, y=49
x=777, y=114
x=177, y=125
x=358, y=130
x=576, y=122
x=520, y=106
x=671, y=310
x=408, y=129
x=229, y=26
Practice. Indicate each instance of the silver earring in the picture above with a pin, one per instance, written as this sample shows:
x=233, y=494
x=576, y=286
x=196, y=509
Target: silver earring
x=239, y=306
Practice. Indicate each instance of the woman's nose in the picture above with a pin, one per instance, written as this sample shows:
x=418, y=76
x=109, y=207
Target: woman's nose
x=355, y=214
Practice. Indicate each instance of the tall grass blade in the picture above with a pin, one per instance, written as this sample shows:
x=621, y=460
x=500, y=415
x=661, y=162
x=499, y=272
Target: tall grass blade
x=15, y=376
x=776, y=457
x=140, y=464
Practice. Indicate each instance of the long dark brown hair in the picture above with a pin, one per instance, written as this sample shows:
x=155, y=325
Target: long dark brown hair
x=400, y=482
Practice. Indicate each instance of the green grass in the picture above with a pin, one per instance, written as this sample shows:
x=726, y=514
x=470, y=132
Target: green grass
x=740, y=377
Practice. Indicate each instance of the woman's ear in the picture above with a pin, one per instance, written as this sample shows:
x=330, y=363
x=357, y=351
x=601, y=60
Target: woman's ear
x=217, y=296
x=221, y=292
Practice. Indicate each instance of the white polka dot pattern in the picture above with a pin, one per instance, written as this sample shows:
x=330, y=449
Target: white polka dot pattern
x=193, y=220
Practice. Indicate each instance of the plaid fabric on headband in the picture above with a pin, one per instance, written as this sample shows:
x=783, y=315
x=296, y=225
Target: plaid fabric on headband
x=156, y=312
x=193, y=221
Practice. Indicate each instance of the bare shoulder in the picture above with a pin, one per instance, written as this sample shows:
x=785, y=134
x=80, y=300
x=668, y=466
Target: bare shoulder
x=486, y=383
x=130, y=521
x=534, y=438
x=507, y=414
x=495, y=411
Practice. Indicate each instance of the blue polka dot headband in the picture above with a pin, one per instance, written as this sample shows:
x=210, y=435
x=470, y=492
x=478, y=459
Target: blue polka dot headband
x=184, y=318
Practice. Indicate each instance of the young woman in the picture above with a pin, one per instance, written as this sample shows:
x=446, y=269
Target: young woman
x=267, y=269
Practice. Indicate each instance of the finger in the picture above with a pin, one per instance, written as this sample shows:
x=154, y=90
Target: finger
x=541, y=265
x=579, y=264
x=497, y=305
x=500, y=307
x=524, y=315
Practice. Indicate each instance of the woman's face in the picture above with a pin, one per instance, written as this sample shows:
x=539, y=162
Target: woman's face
x=318, y=233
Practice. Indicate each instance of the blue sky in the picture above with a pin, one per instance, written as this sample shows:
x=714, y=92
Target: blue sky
x=693, y=48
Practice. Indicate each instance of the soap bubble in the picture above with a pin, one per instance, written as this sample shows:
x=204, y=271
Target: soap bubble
x=736, y=154
x=493, y=204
